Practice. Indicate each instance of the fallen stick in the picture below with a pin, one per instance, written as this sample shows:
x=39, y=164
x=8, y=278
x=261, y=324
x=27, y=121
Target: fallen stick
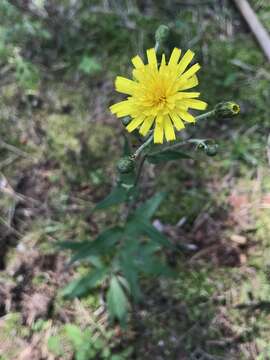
x=255, y=25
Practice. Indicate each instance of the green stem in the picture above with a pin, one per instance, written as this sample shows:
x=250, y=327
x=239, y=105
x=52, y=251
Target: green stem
x=143, y=146
x=139, y=171
x=179, y=144
x=206, y=115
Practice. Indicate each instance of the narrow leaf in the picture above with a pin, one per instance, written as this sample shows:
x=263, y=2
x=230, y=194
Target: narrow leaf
x=153, y=233
x=131, y=274
x=117, y=301
x=72, y=245
x=148, y=209
x=82, y=285
x=117, y=196
x=101, y=245
x=167, y=156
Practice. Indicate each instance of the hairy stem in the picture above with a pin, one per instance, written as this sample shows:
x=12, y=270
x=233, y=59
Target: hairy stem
x=139, y=171
x=143, y=146
x=206, y=115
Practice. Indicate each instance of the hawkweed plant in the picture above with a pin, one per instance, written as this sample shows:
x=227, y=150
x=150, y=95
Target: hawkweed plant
x=157, y=108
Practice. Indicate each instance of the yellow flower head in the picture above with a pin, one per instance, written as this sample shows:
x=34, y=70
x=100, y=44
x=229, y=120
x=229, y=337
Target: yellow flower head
x=156, y=95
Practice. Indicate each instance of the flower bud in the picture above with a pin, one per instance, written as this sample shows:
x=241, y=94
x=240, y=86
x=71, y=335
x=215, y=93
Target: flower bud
x=227, y=109
x=162, y=34
x=211, y=150
x=125, y=165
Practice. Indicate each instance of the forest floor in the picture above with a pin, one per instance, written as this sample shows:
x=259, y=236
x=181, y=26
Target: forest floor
x=218, y=306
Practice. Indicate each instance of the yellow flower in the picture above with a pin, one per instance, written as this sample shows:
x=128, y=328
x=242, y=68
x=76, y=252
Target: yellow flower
x=156, y=95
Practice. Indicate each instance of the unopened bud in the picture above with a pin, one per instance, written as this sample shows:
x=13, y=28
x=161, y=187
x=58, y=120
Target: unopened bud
x=162, y=34
x=211, y=150
x=227, y=109
x=125, y=165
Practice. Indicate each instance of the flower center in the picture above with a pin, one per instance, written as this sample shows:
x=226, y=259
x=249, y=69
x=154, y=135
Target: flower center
x=159, y=99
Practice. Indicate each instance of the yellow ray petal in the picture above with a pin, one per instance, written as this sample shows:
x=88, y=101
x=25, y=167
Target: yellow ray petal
x=186, y=116
x=190, y=72
x=118, y=106
x=175, y=56
x=135, y=123
x=137, y=62
x=178, y=123
x=162, y=68
x=124, y=85
x=139, y=74
x=159, y=131
x=169, y=130
x=151, y=57
x=185, y=61
x=195, y=104
x=187, y=95
x=189, y=84
x=163, y=60
x=148, y=122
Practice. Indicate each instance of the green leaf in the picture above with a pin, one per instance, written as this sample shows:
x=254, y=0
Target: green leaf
x=55, y=345
x=117, y=301
x=148, y=209
x=75, y=335
x=117, y=196
x=131, y=274
x=127, y=265
x=89, y=65
x=153, y=233
x=103, y=244
x=72, y=245
x=167, y=156
x=82, y=285
x=137, y=226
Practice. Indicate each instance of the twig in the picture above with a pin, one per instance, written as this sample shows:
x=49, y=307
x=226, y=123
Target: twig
x=15, y=150
x=8, y=161
x=255, y=25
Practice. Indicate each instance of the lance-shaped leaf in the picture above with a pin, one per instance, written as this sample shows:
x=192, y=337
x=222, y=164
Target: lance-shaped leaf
x=103, y=244
x=148, y=209
x=127, y=264
x=167, y=155
x=82, y=285
x=138, y=227
x=154, y=234
x=117, y=301
x=117, y=196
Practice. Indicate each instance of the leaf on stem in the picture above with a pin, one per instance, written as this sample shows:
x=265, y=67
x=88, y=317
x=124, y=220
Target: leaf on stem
x=82, y=285
x=167, y=155
x=117, y=196
x=148, y=209
x=117, y=301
